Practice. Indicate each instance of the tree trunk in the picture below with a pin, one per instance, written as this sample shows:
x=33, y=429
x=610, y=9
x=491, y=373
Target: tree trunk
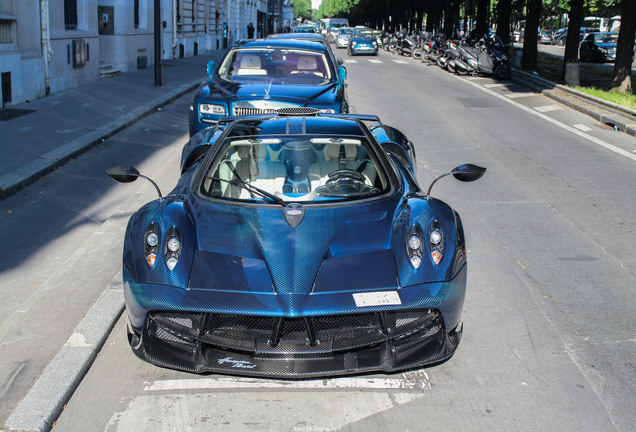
x=571, y=69
x=622, y=80
x=529, y=57
x=503, y=27
x=483, y=12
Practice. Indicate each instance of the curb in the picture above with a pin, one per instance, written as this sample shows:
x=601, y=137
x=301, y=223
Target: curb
x=13, y=182
x=620, y=117
x=45, y=401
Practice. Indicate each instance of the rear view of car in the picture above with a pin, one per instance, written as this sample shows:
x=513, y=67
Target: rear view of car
x=342, y=40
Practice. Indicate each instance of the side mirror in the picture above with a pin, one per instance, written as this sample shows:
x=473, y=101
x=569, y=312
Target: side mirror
x=340, y=61
x=463, y=173
x=342, y=72
x=123, y=174
x=209, y=70
x=468, y=172
x=128, y=174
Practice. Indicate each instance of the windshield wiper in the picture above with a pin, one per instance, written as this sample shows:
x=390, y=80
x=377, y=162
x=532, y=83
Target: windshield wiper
x=252, y=189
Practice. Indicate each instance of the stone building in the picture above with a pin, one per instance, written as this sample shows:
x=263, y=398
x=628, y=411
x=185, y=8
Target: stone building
x=51, y=45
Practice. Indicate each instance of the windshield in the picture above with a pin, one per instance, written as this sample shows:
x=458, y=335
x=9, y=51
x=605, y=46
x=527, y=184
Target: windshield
x=281, y=65
x=606, y=38
x=303, y=168
x=345, y=31
x=365, y=33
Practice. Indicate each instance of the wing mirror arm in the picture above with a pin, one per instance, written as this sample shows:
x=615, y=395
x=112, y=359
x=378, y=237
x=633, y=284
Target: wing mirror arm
x=463, y=173
x=128, y=174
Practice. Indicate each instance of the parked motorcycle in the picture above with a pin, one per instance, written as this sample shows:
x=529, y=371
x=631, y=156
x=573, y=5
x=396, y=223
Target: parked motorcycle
x=487, y=57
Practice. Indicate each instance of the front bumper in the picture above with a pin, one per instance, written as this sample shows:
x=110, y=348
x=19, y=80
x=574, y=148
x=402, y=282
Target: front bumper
x=294, y=348
x=249, y=334
x=363, y=49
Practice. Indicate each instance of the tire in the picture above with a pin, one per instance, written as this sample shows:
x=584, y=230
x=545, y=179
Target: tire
x=502, y=72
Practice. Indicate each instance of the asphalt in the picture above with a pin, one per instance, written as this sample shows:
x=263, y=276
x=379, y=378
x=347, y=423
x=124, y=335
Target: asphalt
x=41, y=135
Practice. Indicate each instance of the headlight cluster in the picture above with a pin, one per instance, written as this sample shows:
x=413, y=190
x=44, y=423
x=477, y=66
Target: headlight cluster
x=354, y=43
x=151, y=243
x=415, y=244
x=171, y=248
x=436, y=242
x=212, y=109
x=327, y=110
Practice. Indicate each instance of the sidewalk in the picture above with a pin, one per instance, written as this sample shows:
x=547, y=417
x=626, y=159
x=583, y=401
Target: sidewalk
x=41, y=135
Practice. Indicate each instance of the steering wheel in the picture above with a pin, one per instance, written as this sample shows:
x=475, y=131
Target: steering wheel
x=345, y=173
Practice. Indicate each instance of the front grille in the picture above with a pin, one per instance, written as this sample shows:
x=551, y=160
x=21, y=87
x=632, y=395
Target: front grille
x=249, y=334
x=241, y=111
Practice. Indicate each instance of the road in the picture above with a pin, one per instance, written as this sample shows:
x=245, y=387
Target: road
x=549, y=317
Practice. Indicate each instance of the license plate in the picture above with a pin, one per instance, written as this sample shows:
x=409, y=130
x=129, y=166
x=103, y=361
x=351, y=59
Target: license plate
x=381, y=298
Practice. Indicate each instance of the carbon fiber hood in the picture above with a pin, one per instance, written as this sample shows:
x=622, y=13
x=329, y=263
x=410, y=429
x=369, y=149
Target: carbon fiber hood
x=333, y=249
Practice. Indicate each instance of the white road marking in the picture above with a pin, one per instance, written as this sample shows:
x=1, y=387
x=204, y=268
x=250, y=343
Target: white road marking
x=575, y=131
x=582, y=127
x=350, y=61
x=412, y=381
x=520, y=95
x=298, y=411
x=494, y=85
x=548, y=108
x=399, y=61
x=375, y=61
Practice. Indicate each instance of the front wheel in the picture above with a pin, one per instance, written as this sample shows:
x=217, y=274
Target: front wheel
x=502, y=72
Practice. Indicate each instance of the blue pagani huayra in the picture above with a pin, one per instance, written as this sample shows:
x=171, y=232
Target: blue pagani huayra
x=295, y=246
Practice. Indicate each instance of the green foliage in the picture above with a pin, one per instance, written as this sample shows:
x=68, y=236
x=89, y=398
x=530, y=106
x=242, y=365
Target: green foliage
x=302, y=9
x=336, y=8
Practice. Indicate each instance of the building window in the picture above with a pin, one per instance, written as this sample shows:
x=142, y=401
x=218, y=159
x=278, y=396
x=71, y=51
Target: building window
x=70, y=14
x=136, y=13
x=6, y=31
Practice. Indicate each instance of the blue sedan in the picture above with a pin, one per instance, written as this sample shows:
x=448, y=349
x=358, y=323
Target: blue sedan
x=362, y=41
x=264, y=76
x=295, y=246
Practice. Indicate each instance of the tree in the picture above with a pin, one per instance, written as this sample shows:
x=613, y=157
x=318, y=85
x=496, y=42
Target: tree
x=302, y=9
x=571, y=67
x=622, y=81
x=533, y=14
x=503, y=20
x=483, y=12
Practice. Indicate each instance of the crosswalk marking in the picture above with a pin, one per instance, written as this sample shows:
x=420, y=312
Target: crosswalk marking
x=350, y=61
x=375, y=61
x=582, y=127
x=399, y=61
x=494, y=85
x=548, y=108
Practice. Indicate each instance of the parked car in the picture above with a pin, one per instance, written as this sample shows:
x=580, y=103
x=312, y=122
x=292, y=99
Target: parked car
x=561, y=35
x=295, y=246
x=265, y=75
x=342, y=40
x=545, y=37
x=315, y=37
x=362, y=41
x=598, y=47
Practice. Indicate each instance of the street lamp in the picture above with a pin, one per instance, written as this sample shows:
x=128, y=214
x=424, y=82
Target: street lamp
x=158, y=42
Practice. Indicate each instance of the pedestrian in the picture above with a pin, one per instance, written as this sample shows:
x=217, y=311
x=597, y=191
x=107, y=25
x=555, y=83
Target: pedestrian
x=250, y=31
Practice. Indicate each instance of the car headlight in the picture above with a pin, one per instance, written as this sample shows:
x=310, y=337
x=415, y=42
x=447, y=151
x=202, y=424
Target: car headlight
x=151, y=243
x=414, y=246
x=436, y=242
x=354, y=43
x=172, y=247
x=375, y=44
x=211, y=109
x=327, y=110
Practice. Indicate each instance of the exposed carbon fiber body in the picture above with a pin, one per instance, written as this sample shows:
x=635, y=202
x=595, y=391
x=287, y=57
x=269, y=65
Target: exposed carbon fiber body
x=342, y=290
